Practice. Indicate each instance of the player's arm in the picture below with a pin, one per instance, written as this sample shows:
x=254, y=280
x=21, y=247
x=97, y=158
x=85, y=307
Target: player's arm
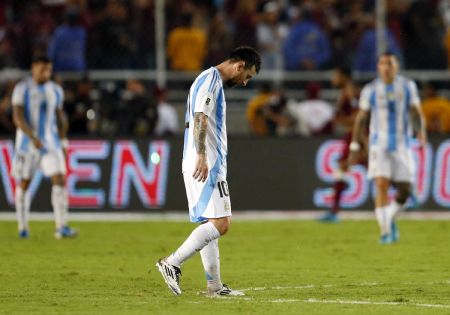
x=21, y=123
x=62, y=122
x=358, y=133
x=416, y=114
x=418, y=124
x=200, y=126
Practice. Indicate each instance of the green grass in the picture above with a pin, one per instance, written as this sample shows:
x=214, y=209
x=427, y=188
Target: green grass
x=106, y=270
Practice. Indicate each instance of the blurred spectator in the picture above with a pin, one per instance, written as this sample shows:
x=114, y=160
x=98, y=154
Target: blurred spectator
x=6, y=125
x=67, y=47
x=271, y=34
x=423, y=43
x=115, y=37
x=279, y=119
x=167, y=124
x=244, y=18
x=313, y=115
x=136, y=114
x=436, y=110
x=219, y=40
x=78, y=106
x=307, y=46
x=143, y=25
x=186, y=48
x=255, y=115
x=365, y=59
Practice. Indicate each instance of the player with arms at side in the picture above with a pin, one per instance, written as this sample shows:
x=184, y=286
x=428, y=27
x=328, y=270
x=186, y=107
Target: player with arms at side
x=40, y=139
x=205, y=169
x=394, y=106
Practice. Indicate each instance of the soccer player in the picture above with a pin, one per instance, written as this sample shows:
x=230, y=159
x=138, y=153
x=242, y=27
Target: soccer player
x=346, y=109
x=394, y=107
x=40, y=139
x=205, y=169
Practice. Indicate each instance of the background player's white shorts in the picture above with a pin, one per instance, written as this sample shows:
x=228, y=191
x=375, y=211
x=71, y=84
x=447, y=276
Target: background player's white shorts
x=25, y=164
x=207, y=200
x=397, y=165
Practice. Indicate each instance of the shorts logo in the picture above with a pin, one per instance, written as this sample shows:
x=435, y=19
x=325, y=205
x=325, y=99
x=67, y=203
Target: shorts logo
x=226, y=206
x=208, y=100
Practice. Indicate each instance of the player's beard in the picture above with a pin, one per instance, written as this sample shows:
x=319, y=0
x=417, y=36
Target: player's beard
x=231, y=83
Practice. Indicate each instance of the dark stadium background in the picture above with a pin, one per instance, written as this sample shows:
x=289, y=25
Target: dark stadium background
x=115, y=63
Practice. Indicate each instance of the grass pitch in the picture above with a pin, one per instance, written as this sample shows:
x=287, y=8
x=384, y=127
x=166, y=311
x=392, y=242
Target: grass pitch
x=285, y=267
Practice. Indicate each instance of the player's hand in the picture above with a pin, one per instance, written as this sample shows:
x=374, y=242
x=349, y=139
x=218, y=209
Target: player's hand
x=37, y=143
x=201, y=168
x=422, y=137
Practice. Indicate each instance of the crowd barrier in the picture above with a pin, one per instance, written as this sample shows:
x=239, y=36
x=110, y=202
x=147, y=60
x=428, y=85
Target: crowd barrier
x=263, y=174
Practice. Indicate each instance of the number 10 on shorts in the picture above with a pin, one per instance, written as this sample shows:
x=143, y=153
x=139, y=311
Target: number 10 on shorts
x=223, y=189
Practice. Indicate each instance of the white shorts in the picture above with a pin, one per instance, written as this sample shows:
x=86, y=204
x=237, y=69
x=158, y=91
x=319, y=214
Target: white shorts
x=207, y=200
x=398, y=165
x=25, y=164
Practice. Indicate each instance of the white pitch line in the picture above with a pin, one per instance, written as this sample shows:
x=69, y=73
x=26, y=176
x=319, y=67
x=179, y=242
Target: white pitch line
x=312, y=300
x=309, y=286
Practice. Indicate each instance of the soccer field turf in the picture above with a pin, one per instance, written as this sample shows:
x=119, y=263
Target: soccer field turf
x=285, y=267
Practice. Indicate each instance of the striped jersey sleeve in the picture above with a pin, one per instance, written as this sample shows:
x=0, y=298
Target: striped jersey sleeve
x=414, y=93
x=206, y=97
x=18, y=95
x=366, y=96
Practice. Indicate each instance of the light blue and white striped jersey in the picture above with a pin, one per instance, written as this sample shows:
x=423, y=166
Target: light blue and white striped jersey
x=389, y=106
x=40, y=102
x=206, y=95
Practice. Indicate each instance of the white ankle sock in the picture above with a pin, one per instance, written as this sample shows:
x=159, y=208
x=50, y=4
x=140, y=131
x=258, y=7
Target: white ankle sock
x=393, y=209
x=383, y=220
x=211, y=264
x=199, y=238
x=22, y=201
x=60, y=205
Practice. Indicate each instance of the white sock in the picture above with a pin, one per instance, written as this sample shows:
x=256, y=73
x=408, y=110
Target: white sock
x=199, y=238
x=60, y=205
x=394, y=208
x=383, y=220
x=211, y=264
x=22, y=201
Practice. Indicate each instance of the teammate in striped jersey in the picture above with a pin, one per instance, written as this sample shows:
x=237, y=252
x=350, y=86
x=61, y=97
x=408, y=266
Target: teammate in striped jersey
x=394, y=107
x=205, y=168
x=40, y=139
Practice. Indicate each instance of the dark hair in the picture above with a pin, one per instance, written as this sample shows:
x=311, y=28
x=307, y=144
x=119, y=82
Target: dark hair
x=40, y=58
x=186, y=19
x=248, y=55
x=344, y=70
x=387, y=53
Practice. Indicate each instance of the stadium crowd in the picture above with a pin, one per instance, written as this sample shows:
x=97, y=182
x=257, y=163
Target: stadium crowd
x=293, y=35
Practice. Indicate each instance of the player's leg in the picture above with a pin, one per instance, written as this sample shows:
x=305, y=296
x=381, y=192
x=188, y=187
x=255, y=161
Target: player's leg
x=402, y=178
x=24, y=166
x=211, y=263
x=398, y=204
x=201, y=208
x=170, y=267
x=198, y=239
x=53, y=165
x=380, y=169
x=22, y=204
x=381, y=208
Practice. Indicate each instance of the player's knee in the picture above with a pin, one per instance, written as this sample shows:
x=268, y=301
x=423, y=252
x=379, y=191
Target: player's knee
x=58, y=180
x=403, y=193
x=24, y=184
x=222, y=225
